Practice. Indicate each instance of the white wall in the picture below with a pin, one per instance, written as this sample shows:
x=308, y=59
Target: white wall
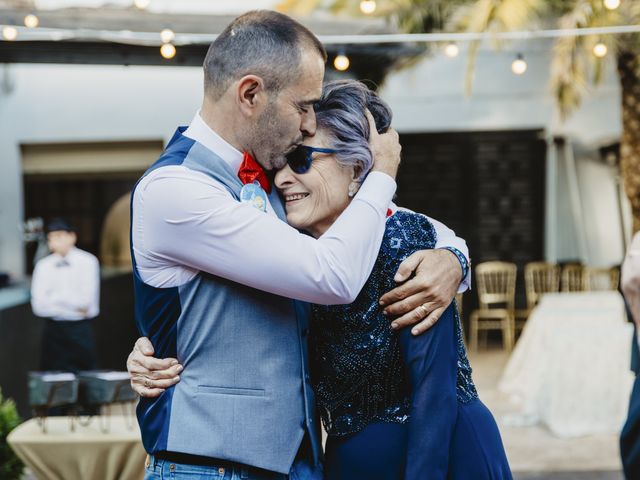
x=77, y=103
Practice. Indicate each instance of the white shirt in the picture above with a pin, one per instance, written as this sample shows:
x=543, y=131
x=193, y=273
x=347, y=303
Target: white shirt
x=66, y=288
x=185, y=222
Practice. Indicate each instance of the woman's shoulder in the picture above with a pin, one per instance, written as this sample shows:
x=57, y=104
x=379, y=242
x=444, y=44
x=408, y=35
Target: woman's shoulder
x=406, y=229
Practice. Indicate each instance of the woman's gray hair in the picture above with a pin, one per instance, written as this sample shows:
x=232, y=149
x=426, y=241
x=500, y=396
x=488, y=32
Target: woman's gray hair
x=341, y=113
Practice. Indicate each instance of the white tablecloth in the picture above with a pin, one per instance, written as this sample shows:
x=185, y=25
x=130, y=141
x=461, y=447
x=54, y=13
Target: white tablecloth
x=570, y=367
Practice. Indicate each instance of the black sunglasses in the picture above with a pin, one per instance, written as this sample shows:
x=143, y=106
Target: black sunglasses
x=300, y=159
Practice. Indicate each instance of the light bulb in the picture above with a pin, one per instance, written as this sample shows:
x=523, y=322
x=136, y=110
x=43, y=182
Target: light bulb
x=10, y=33
x=451, y=50
x=519, y=66
x=341, y=62
x=167, y=35
x=141, y=4
x=368, y=6
x=168, y=51
x=611, y=4
x=600, y=50
x=31, y=21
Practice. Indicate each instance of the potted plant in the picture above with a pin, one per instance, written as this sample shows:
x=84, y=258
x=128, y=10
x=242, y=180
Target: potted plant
x=10, y=465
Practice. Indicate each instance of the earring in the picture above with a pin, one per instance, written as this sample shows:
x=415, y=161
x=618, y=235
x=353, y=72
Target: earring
x=353, y=189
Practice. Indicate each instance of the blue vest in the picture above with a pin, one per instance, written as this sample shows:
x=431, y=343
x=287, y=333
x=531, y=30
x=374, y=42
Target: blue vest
x=244, y=394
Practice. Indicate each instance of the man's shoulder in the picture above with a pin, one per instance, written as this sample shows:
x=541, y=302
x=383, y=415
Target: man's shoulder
x=85, y=256
x=46, y=261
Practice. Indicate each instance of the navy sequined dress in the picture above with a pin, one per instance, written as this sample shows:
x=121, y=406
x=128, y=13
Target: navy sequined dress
x=397, y=406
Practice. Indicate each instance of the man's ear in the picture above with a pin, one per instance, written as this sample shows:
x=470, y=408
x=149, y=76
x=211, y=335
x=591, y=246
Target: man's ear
x=250, y=94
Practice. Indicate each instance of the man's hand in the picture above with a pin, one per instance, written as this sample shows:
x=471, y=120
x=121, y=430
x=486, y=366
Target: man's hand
x=385, y=149
x=424, y=297
x=151, y=376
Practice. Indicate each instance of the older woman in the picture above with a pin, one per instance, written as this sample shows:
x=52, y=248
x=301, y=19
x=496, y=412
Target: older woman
x=395, y=406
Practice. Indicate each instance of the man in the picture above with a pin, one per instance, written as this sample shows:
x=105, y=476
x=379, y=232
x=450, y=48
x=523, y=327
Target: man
x=630, y=436
x=216, y=267
x=65, y=290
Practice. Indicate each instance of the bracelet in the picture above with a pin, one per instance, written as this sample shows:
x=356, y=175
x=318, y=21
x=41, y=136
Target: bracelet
x=464, y=263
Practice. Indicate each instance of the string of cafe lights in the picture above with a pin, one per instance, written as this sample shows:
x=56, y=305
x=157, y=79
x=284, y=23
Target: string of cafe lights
x=169, y=40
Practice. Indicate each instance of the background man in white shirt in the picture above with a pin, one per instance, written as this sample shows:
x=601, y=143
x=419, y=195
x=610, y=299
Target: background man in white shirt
x=65, y=290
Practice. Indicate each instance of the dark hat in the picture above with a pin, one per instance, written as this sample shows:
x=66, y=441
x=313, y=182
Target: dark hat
x=59, y=224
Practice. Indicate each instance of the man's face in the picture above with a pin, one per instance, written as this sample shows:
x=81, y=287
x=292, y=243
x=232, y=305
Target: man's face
x=61, y=242
x=289, y=116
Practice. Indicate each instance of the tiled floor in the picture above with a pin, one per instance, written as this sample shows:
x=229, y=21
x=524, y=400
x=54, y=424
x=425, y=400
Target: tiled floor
x=534, y=453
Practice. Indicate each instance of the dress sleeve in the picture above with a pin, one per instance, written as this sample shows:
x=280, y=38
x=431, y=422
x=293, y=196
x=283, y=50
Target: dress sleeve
x=431, y=364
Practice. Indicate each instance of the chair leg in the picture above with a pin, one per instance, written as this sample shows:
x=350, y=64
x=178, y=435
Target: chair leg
x=508, y=328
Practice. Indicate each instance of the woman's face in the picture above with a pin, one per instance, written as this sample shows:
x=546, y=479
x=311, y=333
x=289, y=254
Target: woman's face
x=313, y=200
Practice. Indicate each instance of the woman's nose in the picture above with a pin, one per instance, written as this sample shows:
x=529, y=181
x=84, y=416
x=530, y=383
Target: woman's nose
x=284, y=177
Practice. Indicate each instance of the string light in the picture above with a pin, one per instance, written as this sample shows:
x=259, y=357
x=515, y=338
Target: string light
x=600, y=50
x=168, y=51
x=611, y=4
x=341, y=62
x=10, y=33
x=167, y=35
x=141, y=4
x=368, y=6
x=451, y=50
x=519, y=66
x=31, y=21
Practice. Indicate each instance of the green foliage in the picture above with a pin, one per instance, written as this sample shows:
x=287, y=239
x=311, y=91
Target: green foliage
x=10, y=466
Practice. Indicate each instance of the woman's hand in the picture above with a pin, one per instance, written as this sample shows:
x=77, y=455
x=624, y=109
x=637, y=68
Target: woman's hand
x=423, y=298
x=150, y=376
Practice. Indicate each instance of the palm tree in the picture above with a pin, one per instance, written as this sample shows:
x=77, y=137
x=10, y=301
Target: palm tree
x=573, y=67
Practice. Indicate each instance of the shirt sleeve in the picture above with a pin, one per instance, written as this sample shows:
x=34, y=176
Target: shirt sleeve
x=431, y=365
x=186, y=221
x=448, y=238
x=42, y=303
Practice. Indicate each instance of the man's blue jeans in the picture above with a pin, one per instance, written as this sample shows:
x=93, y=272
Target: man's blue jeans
x=165, y=470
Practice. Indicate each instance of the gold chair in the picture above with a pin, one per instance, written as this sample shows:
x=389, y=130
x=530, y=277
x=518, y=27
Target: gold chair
x=572, y=278
x=595, y=279
x=496, y=283
x=539, y=278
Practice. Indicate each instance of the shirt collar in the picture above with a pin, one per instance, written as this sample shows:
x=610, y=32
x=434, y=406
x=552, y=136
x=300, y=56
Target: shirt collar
x=201, y=132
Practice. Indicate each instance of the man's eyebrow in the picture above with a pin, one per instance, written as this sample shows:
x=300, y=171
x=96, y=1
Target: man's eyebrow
x=309, y=102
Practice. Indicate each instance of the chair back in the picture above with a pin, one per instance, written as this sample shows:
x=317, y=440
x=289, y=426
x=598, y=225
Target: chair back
x=496, y=284
x=572, y=278
x=539, y=278
x=600, y=278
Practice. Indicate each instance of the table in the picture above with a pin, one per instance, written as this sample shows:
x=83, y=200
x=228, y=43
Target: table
x=86, y=454
x=570, y=367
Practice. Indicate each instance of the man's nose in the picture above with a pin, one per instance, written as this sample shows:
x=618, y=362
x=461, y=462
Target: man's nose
x=308, y=124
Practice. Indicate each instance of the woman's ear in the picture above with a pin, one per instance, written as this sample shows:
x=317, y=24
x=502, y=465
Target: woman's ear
x=250, y=94
x=354, y=186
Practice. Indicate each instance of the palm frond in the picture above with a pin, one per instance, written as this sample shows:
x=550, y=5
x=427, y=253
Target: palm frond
x=493, y=16
x=573, y=60
x=298, y=7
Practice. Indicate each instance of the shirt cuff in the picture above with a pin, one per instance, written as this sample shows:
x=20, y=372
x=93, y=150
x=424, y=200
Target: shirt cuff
x=377, y=190
x=464, y=263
